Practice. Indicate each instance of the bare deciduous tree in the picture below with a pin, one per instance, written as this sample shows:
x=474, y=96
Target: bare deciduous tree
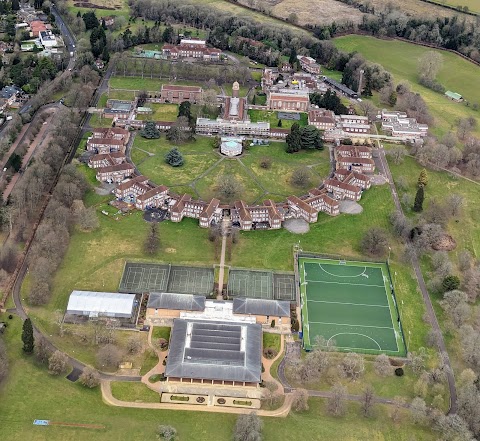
x=57, y=363
x=336, y=403
x=367, y=401
x=375, y=242
x=397, y=153
x=109, y=356
x=418, y=410
x=300, y=400
x=228, y=187
x=41, y=350
x=382, y=365
x=248, y=428
x=301, y=177
x=353, y=365
x=90, y=377
x=134, y=344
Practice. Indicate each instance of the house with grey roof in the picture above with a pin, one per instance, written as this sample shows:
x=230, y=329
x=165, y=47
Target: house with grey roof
x=215, y=353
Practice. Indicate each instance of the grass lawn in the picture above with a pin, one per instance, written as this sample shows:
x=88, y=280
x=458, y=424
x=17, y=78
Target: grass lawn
x=401, y=59
x=98, y=121
x=335, y=74
x=272, y=117
x=464, y=229
x=136, y=83
x=161, y=112
x=120, y=95
x=198, y=156
x=276, y=179
x=250, y=191
x=161, y=332
x=127, y=391
x=59, y=400
x=271, y=341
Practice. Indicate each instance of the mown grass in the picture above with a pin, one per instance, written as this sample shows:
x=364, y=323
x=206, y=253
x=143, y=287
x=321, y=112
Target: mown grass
x=138, y=392
x=271, y=341
x=59, y=400
x=198, y=157
x=277, y=178
x=401, y=60
x=161, y=332
x=161, y=112
x=272, y=117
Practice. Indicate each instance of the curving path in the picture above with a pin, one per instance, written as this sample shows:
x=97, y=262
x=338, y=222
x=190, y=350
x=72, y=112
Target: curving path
x=423, y=288
x=108, y=398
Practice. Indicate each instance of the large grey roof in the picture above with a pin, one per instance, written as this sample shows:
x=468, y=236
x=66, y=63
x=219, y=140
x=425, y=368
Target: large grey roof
x=182, y=302
x=275, y=308
x=215, y=351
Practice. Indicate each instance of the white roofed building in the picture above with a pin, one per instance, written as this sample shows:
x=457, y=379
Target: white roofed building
x=101, y=304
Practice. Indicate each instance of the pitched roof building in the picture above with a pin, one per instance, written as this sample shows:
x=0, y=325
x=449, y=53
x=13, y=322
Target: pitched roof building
x=215, y=352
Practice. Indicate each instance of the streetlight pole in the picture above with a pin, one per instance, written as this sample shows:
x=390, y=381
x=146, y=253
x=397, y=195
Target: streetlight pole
x=389, y=251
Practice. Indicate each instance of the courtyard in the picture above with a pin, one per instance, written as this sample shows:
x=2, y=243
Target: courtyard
x=203, y=165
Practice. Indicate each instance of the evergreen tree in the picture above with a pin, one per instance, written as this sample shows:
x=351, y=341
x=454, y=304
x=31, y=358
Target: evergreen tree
x=15, y=5
x=309, y=137
x=423, y=178
x=217, y=142
x=254, y=99
x=392, y=99
x=168, y=34
x=279, y=124
x=293, y=56
x=90, y=20
x=450, y=283
x=185, y=109
x=419, y=197
x=294, y=142
x=150, y=130
x=27, y=336
x=174, y=158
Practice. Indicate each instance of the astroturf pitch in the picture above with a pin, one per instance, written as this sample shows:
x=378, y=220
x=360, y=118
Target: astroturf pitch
x=351, y=305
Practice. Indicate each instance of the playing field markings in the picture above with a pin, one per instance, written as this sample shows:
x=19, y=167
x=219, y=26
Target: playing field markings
x=345, y=324
x=346, y=303
x=336, y=275
x=344, y=283
x=354, y=333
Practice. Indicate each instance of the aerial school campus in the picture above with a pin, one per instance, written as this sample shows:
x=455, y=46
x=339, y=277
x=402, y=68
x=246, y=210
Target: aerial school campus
x=247, y=259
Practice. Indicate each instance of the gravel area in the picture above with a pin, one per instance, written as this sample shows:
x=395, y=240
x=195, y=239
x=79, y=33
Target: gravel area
x=350, y=207
x=297, y=226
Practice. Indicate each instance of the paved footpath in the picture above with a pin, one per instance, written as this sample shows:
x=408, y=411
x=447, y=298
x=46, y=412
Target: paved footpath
x=108, y=398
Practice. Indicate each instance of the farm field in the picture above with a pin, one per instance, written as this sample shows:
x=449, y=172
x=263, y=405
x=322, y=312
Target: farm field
x=472, y=5
x=59, y=400
x=307, y=12
x=421, y=9
x=200, y=158
x=401, y=59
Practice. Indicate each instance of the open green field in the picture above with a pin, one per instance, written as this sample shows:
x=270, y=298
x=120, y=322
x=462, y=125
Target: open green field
x=241, y=92
x=350, y=305
x=148, y=84
x=59, y=400
x=472, y=5
x=161, y=112
x=401, y=60
x=272, y=117
x=203, y=165
x=464, y=229
x=128, y=391
x=271, y=341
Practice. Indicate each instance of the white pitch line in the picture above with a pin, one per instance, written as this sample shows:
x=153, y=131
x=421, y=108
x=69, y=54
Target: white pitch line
x=346, y=303
x=345, y=283
x=345, y=324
